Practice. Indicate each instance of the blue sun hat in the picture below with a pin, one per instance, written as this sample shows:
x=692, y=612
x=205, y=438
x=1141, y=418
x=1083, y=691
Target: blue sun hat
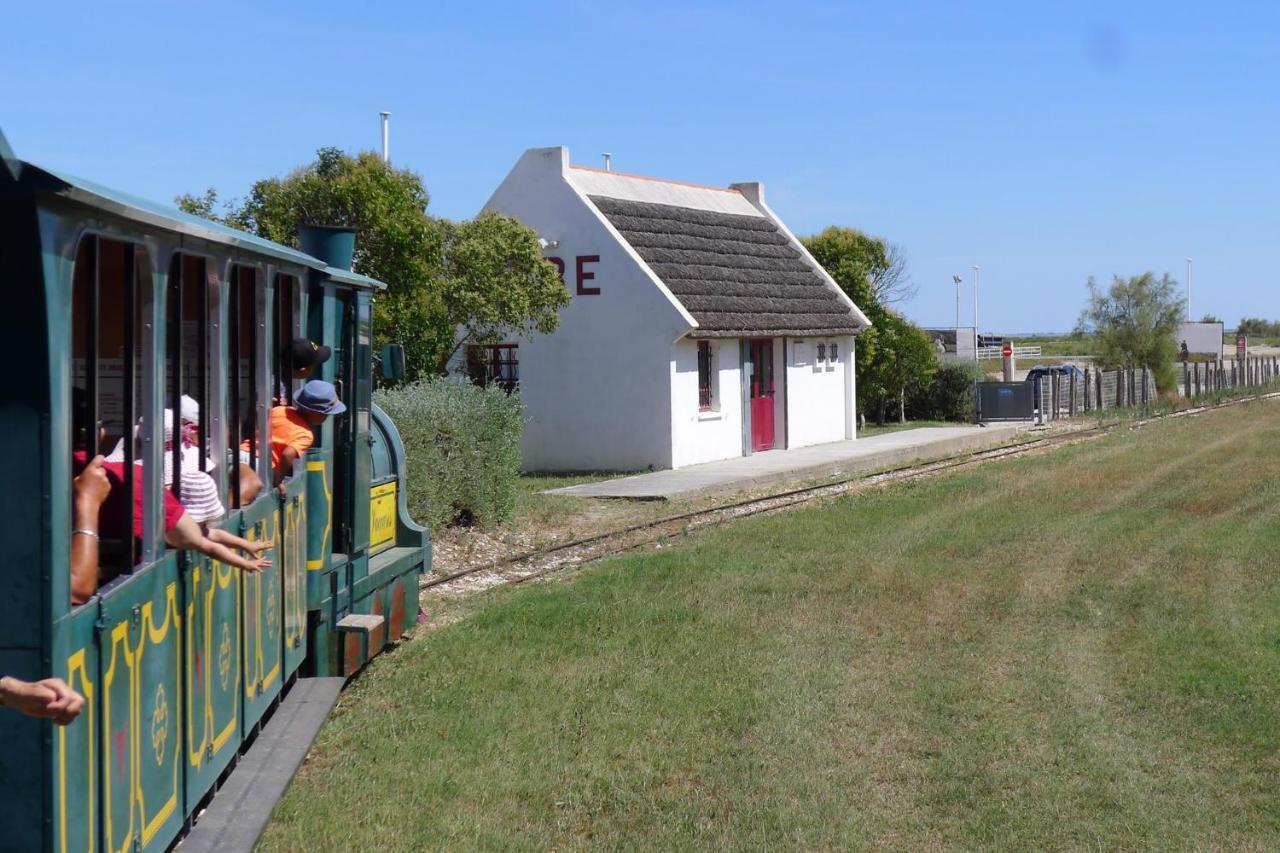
x=319, y=397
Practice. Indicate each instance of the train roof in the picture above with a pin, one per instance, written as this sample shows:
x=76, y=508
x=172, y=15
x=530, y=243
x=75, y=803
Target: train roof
x=172, y=219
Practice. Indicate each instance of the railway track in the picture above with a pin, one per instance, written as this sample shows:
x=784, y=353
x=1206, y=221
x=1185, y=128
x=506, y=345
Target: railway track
x=529, y=566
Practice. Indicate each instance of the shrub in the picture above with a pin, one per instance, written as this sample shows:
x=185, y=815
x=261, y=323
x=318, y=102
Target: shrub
x=949, y=396
x=462, y=444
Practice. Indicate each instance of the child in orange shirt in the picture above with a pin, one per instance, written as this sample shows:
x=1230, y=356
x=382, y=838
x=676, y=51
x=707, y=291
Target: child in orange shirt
x=292, y=427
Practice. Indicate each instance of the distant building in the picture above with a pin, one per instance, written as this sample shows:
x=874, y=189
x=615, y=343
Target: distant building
x=957, y=343
x=699, y=328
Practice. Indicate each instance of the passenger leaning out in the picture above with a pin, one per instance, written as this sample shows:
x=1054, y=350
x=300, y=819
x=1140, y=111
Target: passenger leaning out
x=104, y=520
x=293, y=427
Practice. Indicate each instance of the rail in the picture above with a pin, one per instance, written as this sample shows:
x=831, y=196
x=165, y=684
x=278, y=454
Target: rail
x=1018, y=352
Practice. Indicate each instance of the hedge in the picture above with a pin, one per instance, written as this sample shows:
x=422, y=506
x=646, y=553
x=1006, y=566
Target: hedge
x=462, y=444
x=949, y=396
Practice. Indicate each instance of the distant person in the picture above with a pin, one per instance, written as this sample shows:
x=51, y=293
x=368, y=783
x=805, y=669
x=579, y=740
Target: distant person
x=1185, y=355
x=292, y=427
x=938, y=346
x=50, y=698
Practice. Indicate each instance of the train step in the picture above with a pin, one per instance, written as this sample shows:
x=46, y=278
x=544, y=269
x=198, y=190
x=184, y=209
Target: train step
x=243, y=805
x=360, y=623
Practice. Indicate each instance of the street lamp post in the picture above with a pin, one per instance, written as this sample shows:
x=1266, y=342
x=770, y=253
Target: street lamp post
x=977, y=336
x=1188, y=290
x=958, y=280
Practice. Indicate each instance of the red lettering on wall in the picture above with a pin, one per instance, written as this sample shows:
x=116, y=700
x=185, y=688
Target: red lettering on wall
x=559, y=265
x=584, y=276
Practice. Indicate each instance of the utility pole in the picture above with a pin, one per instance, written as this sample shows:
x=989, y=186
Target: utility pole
x=386, y=136
x=1188, y=290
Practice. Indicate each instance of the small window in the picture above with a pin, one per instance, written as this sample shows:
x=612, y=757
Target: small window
x=243, y=401
x=822, y=352
x=706, y=377
x=832, y=353
x=284, y=379
x=187, y=371
x=110, y=361
x=494, y=364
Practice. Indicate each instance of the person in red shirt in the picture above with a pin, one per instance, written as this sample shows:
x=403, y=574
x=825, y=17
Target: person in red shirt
x=91, y=522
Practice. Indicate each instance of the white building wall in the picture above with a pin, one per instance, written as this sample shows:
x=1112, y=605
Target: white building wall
x=598, y=390
x=705, y=436
x=819, y=393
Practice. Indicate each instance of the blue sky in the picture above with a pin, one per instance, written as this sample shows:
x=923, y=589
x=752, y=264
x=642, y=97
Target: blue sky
x=1044, y=145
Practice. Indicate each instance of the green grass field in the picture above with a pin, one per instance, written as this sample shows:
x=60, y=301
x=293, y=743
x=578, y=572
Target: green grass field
x=1094, y=665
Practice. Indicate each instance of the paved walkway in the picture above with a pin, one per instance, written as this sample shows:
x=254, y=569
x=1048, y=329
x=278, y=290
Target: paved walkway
x=804, y=463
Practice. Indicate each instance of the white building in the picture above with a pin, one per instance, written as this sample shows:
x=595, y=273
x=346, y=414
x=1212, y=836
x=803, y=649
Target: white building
x=699, y=327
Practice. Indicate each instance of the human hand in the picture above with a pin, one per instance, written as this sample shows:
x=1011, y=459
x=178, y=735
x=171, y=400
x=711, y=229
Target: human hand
x=257, y=565
x=92, y=485
x=51, y=698
x=261, y=545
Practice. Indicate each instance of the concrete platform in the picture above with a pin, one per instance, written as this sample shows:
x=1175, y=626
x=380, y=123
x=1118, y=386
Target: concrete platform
x=804, y=463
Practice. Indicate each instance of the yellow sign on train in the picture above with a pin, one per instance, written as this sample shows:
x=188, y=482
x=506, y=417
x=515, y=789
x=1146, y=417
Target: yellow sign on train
x=382, y=516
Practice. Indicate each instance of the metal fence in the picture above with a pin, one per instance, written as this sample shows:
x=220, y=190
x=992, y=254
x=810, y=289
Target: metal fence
x=997, y=351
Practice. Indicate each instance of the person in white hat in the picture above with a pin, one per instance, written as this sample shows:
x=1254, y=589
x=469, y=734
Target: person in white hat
x=197, y=490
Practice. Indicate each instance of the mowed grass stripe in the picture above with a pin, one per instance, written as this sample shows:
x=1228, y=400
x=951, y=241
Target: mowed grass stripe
x=1077, y=649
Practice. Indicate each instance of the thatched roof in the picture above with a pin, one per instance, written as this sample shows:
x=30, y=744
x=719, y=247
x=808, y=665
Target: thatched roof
x=737, y=275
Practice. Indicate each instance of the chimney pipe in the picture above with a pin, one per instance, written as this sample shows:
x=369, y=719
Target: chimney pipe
x=608, y=162
x=386, y=136
x=333, y=244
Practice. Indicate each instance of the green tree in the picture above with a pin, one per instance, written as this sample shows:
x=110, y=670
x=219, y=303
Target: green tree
x=893, y=356
x=1134, y=322
x=447, y=282
x=853, y=258
x=904, y=364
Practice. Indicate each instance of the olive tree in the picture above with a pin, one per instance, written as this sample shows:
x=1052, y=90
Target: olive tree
x=1134, y=323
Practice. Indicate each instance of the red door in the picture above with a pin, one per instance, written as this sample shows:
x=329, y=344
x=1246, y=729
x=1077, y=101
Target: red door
x=762, y=395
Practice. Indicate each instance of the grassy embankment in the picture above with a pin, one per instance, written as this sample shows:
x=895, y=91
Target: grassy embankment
x=878, y=671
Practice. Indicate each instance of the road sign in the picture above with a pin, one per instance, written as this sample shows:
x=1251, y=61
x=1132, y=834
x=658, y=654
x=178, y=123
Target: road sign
x=1242, y=347
x=1007, y=349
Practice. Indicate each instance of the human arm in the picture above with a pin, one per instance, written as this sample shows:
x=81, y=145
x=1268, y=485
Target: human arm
x=50, y=698
x=187, y=535
x=223, y=537
x=90, y=489
x=284, y=467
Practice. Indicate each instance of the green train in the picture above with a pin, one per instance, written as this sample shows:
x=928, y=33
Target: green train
x=120, y=311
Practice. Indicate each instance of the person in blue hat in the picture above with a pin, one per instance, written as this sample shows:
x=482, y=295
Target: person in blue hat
x=292, y=427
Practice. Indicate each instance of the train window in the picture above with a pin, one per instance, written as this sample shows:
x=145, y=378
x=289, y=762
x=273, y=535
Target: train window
x=243, y=400
x=109, y=371
x=287, y=327
x=186, y=389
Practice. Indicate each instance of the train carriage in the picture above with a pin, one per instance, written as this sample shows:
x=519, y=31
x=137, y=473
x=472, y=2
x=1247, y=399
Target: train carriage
x=127, y=307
